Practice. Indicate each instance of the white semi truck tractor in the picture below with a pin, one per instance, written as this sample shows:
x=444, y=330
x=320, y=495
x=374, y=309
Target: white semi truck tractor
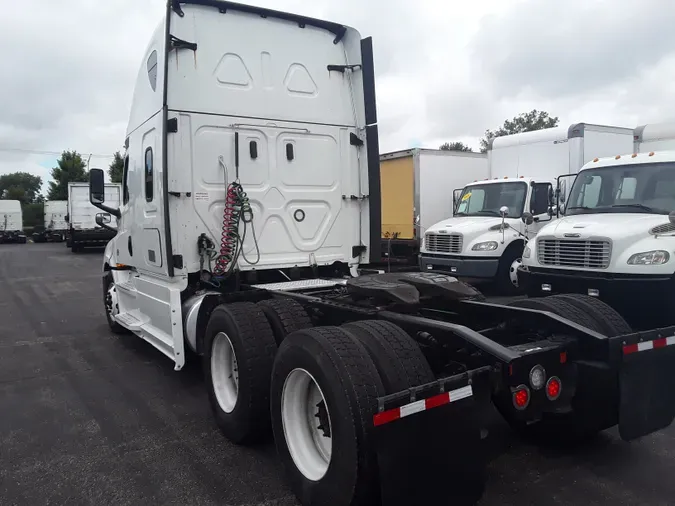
x=238, y=244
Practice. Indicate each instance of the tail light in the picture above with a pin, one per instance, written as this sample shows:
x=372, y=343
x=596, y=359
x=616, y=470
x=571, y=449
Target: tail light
x=553, y=388
x=521, y=397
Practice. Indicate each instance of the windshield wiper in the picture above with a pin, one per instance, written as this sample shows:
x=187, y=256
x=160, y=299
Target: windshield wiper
x=638, y=206
x=489, y=211
x=583, y=208
x=461, y=213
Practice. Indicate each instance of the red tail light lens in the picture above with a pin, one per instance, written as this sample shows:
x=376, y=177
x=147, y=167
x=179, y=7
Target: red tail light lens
x=521, y=397
x=553, y=388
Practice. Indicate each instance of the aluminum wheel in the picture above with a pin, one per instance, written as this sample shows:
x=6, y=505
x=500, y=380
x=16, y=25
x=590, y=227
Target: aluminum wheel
x=224, y=372
x=513, y=271
x=307, y=425
x=111, y=302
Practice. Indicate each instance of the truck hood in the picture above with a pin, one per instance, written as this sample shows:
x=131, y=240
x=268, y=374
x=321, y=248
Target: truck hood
x=614, y=226
x=466, y=224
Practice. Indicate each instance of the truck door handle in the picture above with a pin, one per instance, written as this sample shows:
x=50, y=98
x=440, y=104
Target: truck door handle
x=131, y=248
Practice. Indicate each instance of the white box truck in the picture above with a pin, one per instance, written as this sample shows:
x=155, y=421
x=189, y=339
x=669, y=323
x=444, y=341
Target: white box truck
x=417, y=192
x=654, y=137
x=480, y=241
x=11, y=222
x=83, y=230
x=615, y=241
x=55, y=225
x=237, y=248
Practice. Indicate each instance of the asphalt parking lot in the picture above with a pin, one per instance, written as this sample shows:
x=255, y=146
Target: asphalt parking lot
x=87, y=417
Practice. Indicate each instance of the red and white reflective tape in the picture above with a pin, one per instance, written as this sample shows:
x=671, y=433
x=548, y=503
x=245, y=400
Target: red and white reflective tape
x=418, y=406
x=648, y=345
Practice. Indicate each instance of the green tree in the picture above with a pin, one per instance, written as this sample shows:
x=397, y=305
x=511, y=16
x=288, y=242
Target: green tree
x=34, y=214
x=20, y=186
x=116, y=169
x=71, y=169
x=454, y=146
x=524, y=122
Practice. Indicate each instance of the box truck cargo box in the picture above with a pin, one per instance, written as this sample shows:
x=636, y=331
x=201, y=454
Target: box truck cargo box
x=417, y=191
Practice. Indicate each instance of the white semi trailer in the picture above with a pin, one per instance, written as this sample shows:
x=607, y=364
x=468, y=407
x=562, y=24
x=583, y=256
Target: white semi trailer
x=83, y=228
x=55, y=226
x=11, y=222
x=238, y=244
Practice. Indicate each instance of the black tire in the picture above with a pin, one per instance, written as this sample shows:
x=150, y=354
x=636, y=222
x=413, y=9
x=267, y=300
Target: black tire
x=350, y=384
x=254, y=347
x=611, y=322
x=284, y=316
x=115, y=327
x=580, y=316
x=397, y=357
x=504, y=284
x=68, y=242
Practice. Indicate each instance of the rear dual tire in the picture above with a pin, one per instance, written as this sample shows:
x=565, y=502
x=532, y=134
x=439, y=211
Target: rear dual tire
x=319, y=392
x=340, y=368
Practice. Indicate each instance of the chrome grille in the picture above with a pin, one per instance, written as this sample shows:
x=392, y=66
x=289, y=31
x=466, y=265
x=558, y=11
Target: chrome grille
x=443, y=243
x=593, y=254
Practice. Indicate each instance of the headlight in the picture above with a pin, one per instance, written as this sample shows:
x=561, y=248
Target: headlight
x=527, y=252
x=485, y=246
x=656, y=257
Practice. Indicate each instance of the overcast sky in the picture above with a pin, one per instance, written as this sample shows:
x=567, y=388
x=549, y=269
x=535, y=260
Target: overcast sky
x=446, y=70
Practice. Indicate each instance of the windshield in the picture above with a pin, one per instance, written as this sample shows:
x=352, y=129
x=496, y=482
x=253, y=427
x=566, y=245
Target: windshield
x=639, y=188
x=487, y=199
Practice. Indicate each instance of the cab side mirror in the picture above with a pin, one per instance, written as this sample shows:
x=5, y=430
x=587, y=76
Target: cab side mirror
x=527, y=218
x=504, y=211
x=103, y=219
x=96, y=186
x=97, y=193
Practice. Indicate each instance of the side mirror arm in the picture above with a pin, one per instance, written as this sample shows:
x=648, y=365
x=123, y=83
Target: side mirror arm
x=115, y=212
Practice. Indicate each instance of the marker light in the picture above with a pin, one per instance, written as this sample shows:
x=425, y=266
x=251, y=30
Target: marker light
x=651, y=153
x=633, y=155
x=617, y=157
x=521, y=397
x=553, y=388
x=537, y=377
x=596, y=159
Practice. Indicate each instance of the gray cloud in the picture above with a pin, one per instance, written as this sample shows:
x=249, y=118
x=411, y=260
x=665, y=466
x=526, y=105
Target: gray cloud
x=563, y=48
x=445, y=71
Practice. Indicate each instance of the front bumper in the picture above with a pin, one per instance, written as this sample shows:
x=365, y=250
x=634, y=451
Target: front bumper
x=650, y=297
x=468, y=267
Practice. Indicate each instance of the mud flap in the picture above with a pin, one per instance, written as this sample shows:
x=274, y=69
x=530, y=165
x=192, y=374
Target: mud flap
x=646, y=383
x=429, y=441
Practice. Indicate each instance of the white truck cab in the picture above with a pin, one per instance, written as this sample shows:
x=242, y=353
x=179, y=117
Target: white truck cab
x=522, y=169
x=616, y=239
x=486, y=236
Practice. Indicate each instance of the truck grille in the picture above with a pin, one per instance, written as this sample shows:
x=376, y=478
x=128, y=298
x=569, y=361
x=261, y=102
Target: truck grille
x=574, y=253
x=443, y=243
